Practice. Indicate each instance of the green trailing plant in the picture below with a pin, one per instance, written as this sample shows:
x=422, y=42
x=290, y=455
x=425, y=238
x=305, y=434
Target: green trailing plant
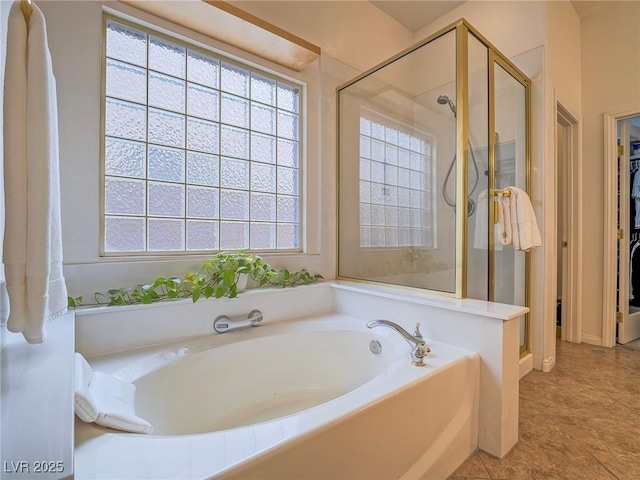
x=223, y=276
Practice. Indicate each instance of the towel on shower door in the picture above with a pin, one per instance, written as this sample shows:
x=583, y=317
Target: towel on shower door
x=32, y=235
x=517, y=220
x=504, y=221
x=106, y=400
x=481, y=232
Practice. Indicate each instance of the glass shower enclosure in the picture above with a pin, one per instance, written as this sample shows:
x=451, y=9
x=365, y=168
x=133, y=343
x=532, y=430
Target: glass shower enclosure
x=427, y=143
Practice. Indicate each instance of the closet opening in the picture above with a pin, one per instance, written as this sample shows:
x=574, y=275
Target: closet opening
x=628, y=299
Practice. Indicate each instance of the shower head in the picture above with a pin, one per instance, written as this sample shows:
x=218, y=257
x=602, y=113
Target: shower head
x=445, y=100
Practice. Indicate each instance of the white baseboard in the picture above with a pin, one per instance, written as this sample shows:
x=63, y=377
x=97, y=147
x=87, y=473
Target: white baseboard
x=526, y=364
x=592, y=339
x=548, y=364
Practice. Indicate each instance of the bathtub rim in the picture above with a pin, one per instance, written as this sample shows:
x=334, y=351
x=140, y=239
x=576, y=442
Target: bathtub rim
x=472, y=306
x=324, y=415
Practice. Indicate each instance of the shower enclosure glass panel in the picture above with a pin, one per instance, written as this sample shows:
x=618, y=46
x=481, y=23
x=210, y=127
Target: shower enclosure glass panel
x=478, y=172
x=510, y=136
x=427, y=142
x=394, y=226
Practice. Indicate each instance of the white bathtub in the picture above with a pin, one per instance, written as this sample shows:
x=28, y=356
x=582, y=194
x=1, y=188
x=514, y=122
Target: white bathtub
x=290, y=399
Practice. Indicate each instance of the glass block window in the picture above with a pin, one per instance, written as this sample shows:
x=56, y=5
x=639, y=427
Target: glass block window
x=395, y=185
x=200, y=153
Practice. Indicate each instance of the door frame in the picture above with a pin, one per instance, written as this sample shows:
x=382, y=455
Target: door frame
x=572, y=301
x=610, y=223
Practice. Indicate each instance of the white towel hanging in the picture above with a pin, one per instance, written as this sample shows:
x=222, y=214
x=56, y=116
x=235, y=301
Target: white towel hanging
x=33, y=240
x=524, y=226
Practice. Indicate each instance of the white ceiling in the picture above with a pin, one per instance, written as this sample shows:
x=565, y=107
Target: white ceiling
x=586, y=8
x=416, y=14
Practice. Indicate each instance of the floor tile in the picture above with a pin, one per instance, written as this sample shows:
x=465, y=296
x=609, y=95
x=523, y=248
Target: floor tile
x=592, y=365
x=471, y=468
x=614, y=443
x=545, y=452
x=625, y=383
x=579, y=421
x=570, y=396
x=635, y=345
x=576, y=348
x=630, y=401
x=624, y=356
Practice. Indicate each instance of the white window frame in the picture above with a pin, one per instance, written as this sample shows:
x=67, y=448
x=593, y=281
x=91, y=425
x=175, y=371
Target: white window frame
x=187, y=42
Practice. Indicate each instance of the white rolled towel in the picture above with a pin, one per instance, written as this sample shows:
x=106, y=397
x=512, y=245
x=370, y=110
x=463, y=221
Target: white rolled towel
x=106, y=400
x=85, y=407
x=524, y=225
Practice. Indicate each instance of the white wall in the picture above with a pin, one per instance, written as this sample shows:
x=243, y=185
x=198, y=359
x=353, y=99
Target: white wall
x=563, y=54
x=4, y=17
x=562, y=82
x=610, y=84
x=512, y=27
x=356, y=33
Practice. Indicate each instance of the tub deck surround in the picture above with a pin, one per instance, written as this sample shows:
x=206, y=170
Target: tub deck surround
x=144, y=331
x=371, y=404
x=106, y=330
x=499, y=311
x=36, y=425
x=491, y=329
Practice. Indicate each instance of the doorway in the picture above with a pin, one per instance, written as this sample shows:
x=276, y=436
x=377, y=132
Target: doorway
x=568, y=215
x=628, y=304
x=561, y=216
x=621, y=321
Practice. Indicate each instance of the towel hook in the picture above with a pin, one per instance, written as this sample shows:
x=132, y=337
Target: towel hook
x=27, y=8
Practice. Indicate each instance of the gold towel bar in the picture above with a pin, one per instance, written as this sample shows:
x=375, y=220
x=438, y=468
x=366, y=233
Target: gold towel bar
x=502, y=193
x=27, y=8
x=499, y=193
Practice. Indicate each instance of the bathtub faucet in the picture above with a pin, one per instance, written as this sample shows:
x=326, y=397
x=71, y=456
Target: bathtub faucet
x=419, y=349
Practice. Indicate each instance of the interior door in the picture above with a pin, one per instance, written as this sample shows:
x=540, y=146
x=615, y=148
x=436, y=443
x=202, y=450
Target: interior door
x=562, y=225
x=628, y=289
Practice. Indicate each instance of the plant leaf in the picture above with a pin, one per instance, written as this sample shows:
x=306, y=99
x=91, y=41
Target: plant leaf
x=229, y=277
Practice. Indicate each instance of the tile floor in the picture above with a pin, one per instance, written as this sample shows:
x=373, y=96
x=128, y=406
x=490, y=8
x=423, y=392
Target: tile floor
x=580, y=421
